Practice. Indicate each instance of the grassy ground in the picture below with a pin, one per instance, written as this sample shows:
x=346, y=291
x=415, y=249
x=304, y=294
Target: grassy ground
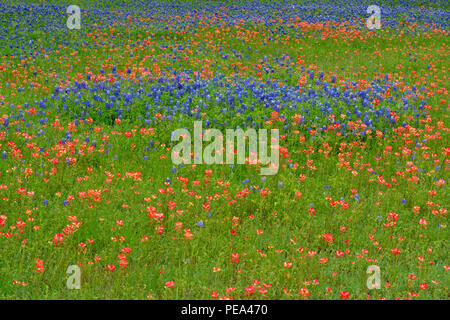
x=86, y=176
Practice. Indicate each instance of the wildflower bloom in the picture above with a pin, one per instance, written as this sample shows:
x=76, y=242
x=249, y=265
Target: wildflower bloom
x=90, y=124
x=234, y=258
x=39, y=265
x=304, y=292
x=344, y=295
x=327, y=237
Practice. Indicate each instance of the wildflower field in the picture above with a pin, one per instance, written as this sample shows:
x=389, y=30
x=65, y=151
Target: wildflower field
x=88, y=185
